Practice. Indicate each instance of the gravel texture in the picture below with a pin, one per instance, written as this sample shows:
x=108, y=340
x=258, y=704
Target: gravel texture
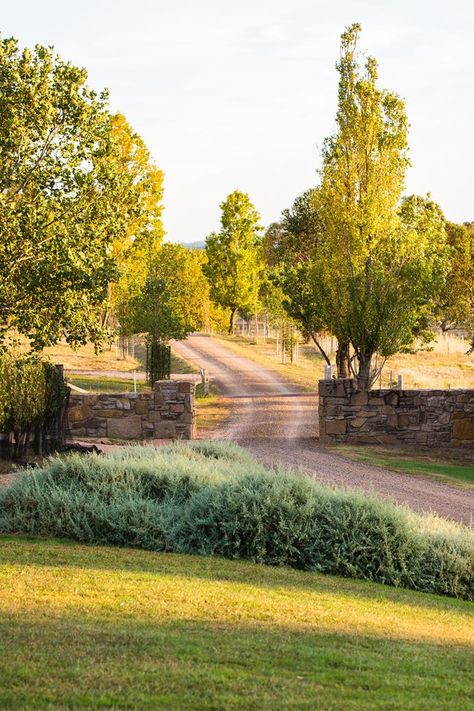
x=278, y=423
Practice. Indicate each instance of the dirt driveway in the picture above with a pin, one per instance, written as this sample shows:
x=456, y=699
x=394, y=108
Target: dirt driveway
x=278, y=423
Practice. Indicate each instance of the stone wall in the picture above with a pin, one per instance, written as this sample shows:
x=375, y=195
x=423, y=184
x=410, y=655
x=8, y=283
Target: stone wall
x=442, y=418
x=166, y=413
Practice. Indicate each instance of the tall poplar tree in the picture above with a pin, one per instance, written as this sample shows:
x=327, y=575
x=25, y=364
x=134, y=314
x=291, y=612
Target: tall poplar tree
x=376, y=272
x=234, y=256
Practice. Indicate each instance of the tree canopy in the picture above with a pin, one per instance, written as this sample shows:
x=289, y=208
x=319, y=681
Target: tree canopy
x=234, y=256
x=70, y=194
x=140, y=197
x=379, y=265
x=290, y=249
x=172, y=302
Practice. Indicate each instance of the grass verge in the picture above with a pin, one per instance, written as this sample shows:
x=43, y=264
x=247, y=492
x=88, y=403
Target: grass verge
x=98, y=627
x=106, y=384
x=445, y=366
x=455, y=471
x=211, y=411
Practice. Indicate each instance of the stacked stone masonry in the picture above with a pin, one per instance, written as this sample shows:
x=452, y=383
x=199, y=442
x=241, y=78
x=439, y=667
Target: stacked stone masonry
x=166, y=413
x=414, y=417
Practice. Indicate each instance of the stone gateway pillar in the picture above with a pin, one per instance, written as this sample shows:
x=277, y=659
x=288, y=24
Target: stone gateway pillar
x=166, y=413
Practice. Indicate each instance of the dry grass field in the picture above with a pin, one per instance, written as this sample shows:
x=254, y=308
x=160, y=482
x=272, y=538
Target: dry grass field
x=84, y=358
x=446, y=365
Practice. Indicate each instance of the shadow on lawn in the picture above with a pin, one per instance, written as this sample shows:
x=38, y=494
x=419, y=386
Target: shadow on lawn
x=29, y=551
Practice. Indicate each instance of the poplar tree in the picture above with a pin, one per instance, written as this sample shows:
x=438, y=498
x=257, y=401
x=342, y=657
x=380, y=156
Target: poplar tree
x=375, y=272
x=234, y=256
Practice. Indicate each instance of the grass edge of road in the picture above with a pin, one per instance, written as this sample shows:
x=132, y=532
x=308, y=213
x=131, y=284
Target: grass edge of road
x=457, y=470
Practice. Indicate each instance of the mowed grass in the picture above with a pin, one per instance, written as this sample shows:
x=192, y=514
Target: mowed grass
x=97, y=627
x=434, y=465
x=106, y=384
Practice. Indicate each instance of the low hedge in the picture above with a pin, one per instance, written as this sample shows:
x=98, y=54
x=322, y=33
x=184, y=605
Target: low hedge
x=214, y=499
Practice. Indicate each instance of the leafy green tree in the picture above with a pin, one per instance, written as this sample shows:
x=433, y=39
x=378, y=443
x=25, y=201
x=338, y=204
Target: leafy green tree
x=64, y=205
x=456, y=302
x=138, y=194
x=290, y=248
x=234, y=256
x=378, y=267
x=172, y=302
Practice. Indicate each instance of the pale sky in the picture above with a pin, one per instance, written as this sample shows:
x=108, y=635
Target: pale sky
x=241, y=93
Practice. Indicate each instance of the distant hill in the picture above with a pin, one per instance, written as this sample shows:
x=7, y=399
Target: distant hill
x=200, y=244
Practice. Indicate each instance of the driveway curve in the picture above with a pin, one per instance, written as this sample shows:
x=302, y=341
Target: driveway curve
x=277, y=422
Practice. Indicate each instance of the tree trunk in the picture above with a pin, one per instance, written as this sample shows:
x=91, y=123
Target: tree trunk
x=363, y=376
x=320, y=348
x=342, y=354
x=233, y=313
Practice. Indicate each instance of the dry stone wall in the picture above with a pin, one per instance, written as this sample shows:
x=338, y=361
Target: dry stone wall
x=415, y=417
x=166, y=413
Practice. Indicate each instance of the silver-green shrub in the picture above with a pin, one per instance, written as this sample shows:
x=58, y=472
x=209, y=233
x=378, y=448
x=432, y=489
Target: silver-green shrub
x=214, y=499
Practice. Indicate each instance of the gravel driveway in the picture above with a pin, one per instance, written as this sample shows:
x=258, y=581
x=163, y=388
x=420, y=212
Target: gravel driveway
x=278, y=423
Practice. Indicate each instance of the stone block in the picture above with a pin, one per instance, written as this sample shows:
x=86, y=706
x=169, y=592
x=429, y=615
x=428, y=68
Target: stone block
x=105, y=402
x=335, y=427
x=125, y=427
x=167, y=414
x=123, y=403
x=159, y=399
x=96, y=422
x=332, y=410
x=79, y=413
x=96, y=431
x=464, y=429
x=357, y=422
x=148, y=429
x=376, y=398
x=141, y=407
x=392, y=398
x=165, y=430
x=108, y=413
x=403, y=420
x=185, y=431
x=359, y=397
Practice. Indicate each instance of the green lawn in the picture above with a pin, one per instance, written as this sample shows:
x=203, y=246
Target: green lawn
x=105, y=384
x=435, y=466
x=102, y=628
